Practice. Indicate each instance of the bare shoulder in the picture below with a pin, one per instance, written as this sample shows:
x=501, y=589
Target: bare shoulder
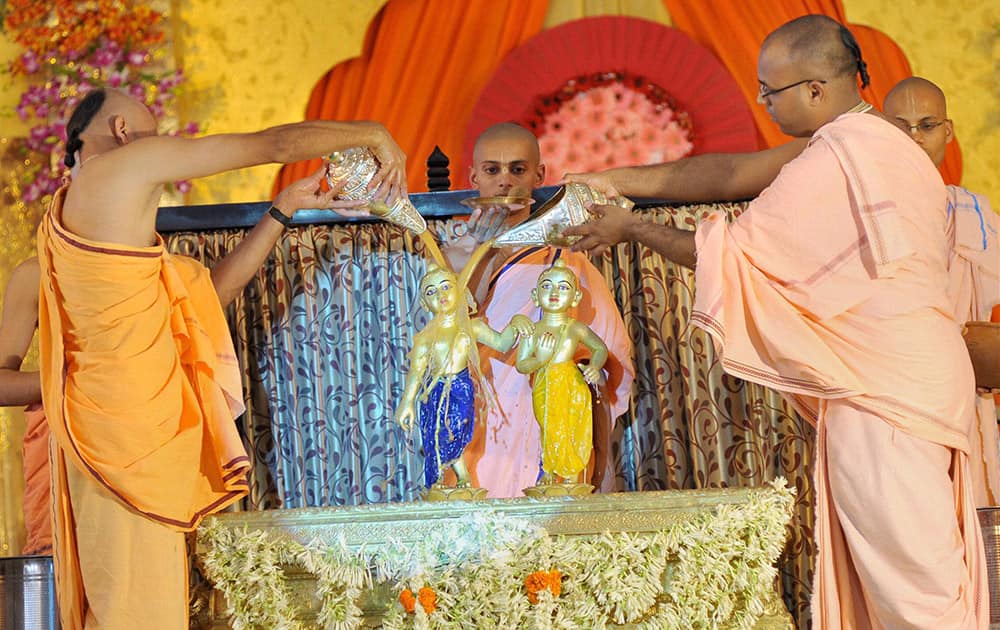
x=20, y=303
x=25, y=278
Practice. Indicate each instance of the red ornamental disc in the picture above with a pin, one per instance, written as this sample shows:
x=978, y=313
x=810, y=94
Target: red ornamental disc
x=655, y=61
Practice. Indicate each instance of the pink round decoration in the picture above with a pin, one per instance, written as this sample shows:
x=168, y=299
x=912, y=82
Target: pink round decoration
x=671, y=96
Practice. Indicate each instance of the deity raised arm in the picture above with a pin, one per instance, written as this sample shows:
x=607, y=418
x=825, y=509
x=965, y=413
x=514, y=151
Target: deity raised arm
x=441, y=385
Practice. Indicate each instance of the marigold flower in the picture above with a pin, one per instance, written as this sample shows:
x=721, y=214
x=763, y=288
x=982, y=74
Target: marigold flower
x=408, y=601
x=428, y=599
x=540, y=581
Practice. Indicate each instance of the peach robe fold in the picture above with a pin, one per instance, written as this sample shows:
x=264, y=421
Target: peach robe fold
x=831, y=289
x=509, y=439
x=974, y=289
x=37, y=498
x=141, y=385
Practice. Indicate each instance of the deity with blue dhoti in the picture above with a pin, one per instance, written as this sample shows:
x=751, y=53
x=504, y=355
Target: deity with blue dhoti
x=440, y=387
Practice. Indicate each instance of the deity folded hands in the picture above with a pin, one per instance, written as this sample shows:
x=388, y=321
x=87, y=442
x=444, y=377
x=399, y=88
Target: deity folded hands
x=561, y=396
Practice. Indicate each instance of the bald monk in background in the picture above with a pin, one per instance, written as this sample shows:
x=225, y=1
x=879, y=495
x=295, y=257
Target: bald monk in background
x=831, y=288
x=24, y=388
x=919, y=108
x=139, y=377
x=505, y=453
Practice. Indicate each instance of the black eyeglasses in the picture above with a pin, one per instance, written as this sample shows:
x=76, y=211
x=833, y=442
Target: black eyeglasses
x=924, y=126
x=764, y=92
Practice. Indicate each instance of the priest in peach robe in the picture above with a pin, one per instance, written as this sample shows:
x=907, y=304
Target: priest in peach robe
x=831, y=288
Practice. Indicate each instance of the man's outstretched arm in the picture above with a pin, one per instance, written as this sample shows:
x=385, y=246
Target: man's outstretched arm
x=613, y=224
x=708, y=177
x=20, y=318
x=233, y=272
x=156, y=160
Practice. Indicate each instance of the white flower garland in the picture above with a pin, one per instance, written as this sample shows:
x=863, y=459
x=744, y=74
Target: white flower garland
x=708, y=570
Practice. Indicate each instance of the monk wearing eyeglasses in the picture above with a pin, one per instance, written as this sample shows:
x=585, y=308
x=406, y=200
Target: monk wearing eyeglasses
x=919, y=108
x=832, y=289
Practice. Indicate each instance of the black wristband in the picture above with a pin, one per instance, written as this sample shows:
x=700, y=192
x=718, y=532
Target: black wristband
x=279, y=216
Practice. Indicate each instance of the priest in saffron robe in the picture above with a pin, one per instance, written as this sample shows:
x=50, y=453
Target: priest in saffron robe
x=138, y=374
x=919, y=108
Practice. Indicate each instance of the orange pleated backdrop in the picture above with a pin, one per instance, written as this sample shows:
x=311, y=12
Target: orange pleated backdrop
x=426, y=61
x=423, y=66
x=734, y=31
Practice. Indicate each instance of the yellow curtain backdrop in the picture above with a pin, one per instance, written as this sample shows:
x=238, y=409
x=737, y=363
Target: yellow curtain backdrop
x=561, y=11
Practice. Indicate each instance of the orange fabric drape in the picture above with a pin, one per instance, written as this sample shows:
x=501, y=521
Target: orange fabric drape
x=734, y=31
x=423, y=66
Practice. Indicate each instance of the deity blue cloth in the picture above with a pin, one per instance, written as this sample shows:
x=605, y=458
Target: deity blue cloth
x=446, y=422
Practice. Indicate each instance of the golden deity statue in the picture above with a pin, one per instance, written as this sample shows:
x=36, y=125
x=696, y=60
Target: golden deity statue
x=440, y=387
x=561, y=396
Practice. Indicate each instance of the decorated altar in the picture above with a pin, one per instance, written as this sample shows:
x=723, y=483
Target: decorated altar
x=675, y=559
x=319, y=327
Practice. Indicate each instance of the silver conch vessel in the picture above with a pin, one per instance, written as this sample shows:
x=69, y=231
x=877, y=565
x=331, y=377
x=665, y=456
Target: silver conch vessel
x=566, y=208
x=358, y=166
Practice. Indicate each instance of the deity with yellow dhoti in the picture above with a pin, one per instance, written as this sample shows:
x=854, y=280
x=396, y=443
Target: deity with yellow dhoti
x=561, y=396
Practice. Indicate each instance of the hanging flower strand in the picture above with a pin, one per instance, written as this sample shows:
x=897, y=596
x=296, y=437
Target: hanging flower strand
x=73, y=47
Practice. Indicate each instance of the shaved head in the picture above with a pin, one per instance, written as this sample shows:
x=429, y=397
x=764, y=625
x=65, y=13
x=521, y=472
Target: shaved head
x=506, y=132
x=916, y=87
x=821, y=46
x=506, y=161
x=105, y=119
x=918, y=107
x=807, y=74
x=136, y=114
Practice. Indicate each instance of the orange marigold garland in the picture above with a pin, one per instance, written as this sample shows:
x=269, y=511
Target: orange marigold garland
x=428, y=599
x=540, y=581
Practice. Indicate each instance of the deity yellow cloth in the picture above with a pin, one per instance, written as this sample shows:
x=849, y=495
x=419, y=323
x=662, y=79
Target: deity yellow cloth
x=505, y=451
x=141, y=385
x=831, y=288
x=561, y=400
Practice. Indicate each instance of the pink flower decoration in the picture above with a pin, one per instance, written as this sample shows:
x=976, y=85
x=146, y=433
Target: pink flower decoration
x=136, y=58
x=30, y=62
x=106, y=57
x=612, y=125
x=32, y=192
x=137, y=91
